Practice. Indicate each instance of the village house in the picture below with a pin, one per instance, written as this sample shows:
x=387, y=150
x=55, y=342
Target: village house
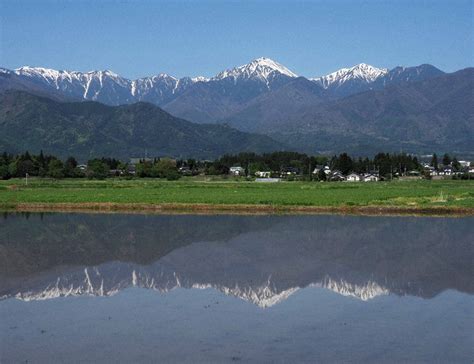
x=371, y=177
x=353, y=177
x=237, y=171
x=263, y=174
x=366, y=177
x=430, y=170
x=446, y=171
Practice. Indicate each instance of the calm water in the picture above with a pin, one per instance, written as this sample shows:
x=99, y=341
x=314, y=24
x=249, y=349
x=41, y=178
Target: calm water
x=184, y=288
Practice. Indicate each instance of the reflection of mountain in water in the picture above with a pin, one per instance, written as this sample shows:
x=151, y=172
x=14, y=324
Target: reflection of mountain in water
x=110, y=279
x=262, y=259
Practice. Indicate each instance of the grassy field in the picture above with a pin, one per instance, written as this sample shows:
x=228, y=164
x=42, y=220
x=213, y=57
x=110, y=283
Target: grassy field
x=398, y=194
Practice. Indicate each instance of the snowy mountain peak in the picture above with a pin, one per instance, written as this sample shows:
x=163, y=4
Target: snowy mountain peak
x=261, y=68
x=161, y=76
x=108, y=73
x=200, y=79
x=367, y=71
x=362, y=72
x=264, y=63
x=39, y=71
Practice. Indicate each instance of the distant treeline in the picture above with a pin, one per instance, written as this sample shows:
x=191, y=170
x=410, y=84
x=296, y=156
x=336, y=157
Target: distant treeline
x=44, y=165
x=384, y=164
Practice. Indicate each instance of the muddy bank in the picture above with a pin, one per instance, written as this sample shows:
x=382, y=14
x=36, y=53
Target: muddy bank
x=237, y=208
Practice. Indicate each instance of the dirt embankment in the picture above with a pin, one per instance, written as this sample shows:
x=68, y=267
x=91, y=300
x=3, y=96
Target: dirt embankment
x=237, y=208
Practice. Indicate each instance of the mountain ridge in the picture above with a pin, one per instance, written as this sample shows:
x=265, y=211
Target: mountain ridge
x=330, y=114
x=431, y=114
x=110, y=88
x=91, y=129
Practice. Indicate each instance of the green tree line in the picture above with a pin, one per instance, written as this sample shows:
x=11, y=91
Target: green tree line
x=43, y=165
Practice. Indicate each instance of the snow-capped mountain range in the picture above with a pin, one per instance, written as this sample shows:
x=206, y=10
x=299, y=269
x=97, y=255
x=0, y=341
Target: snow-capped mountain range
x=265, y=97
x=107, y=86
x=364, y=77
x=263, y=69
x=266, y=74
x=110, y=88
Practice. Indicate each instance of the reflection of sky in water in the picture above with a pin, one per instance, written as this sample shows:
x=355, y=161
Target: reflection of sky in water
x=403, y=288
x=203, y=325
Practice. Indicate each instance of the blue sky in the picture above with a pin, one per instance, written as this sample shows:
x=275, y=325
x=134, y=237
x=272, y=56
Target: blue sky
x=312, y=38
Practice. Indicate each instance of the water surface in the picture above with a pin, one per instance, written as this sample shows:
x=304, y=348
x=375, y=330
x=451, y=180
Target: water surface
x=193, y=288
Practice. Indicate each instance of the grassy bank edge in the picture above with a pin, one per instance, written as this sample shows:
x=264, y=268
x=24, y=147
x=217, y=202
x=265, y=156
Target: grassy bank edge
x=236, y=208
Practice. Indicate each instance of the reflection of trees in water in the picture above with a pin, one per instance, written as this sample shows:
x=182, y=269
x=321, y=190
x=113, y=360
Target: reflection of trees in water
x=405, y=255
x=35, y=242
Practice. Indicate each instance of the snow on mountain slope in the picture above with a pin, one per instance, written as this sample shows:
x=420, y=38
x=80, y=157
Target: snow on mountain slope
x=361, y=72
x=54, y=77
x=110, y=88
x=230, y=91
x=158, y=89
x=200, y=79
x=226, y=92
x=363, y=77
x=106, y=86
x=4, y=70
x=261, y=68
